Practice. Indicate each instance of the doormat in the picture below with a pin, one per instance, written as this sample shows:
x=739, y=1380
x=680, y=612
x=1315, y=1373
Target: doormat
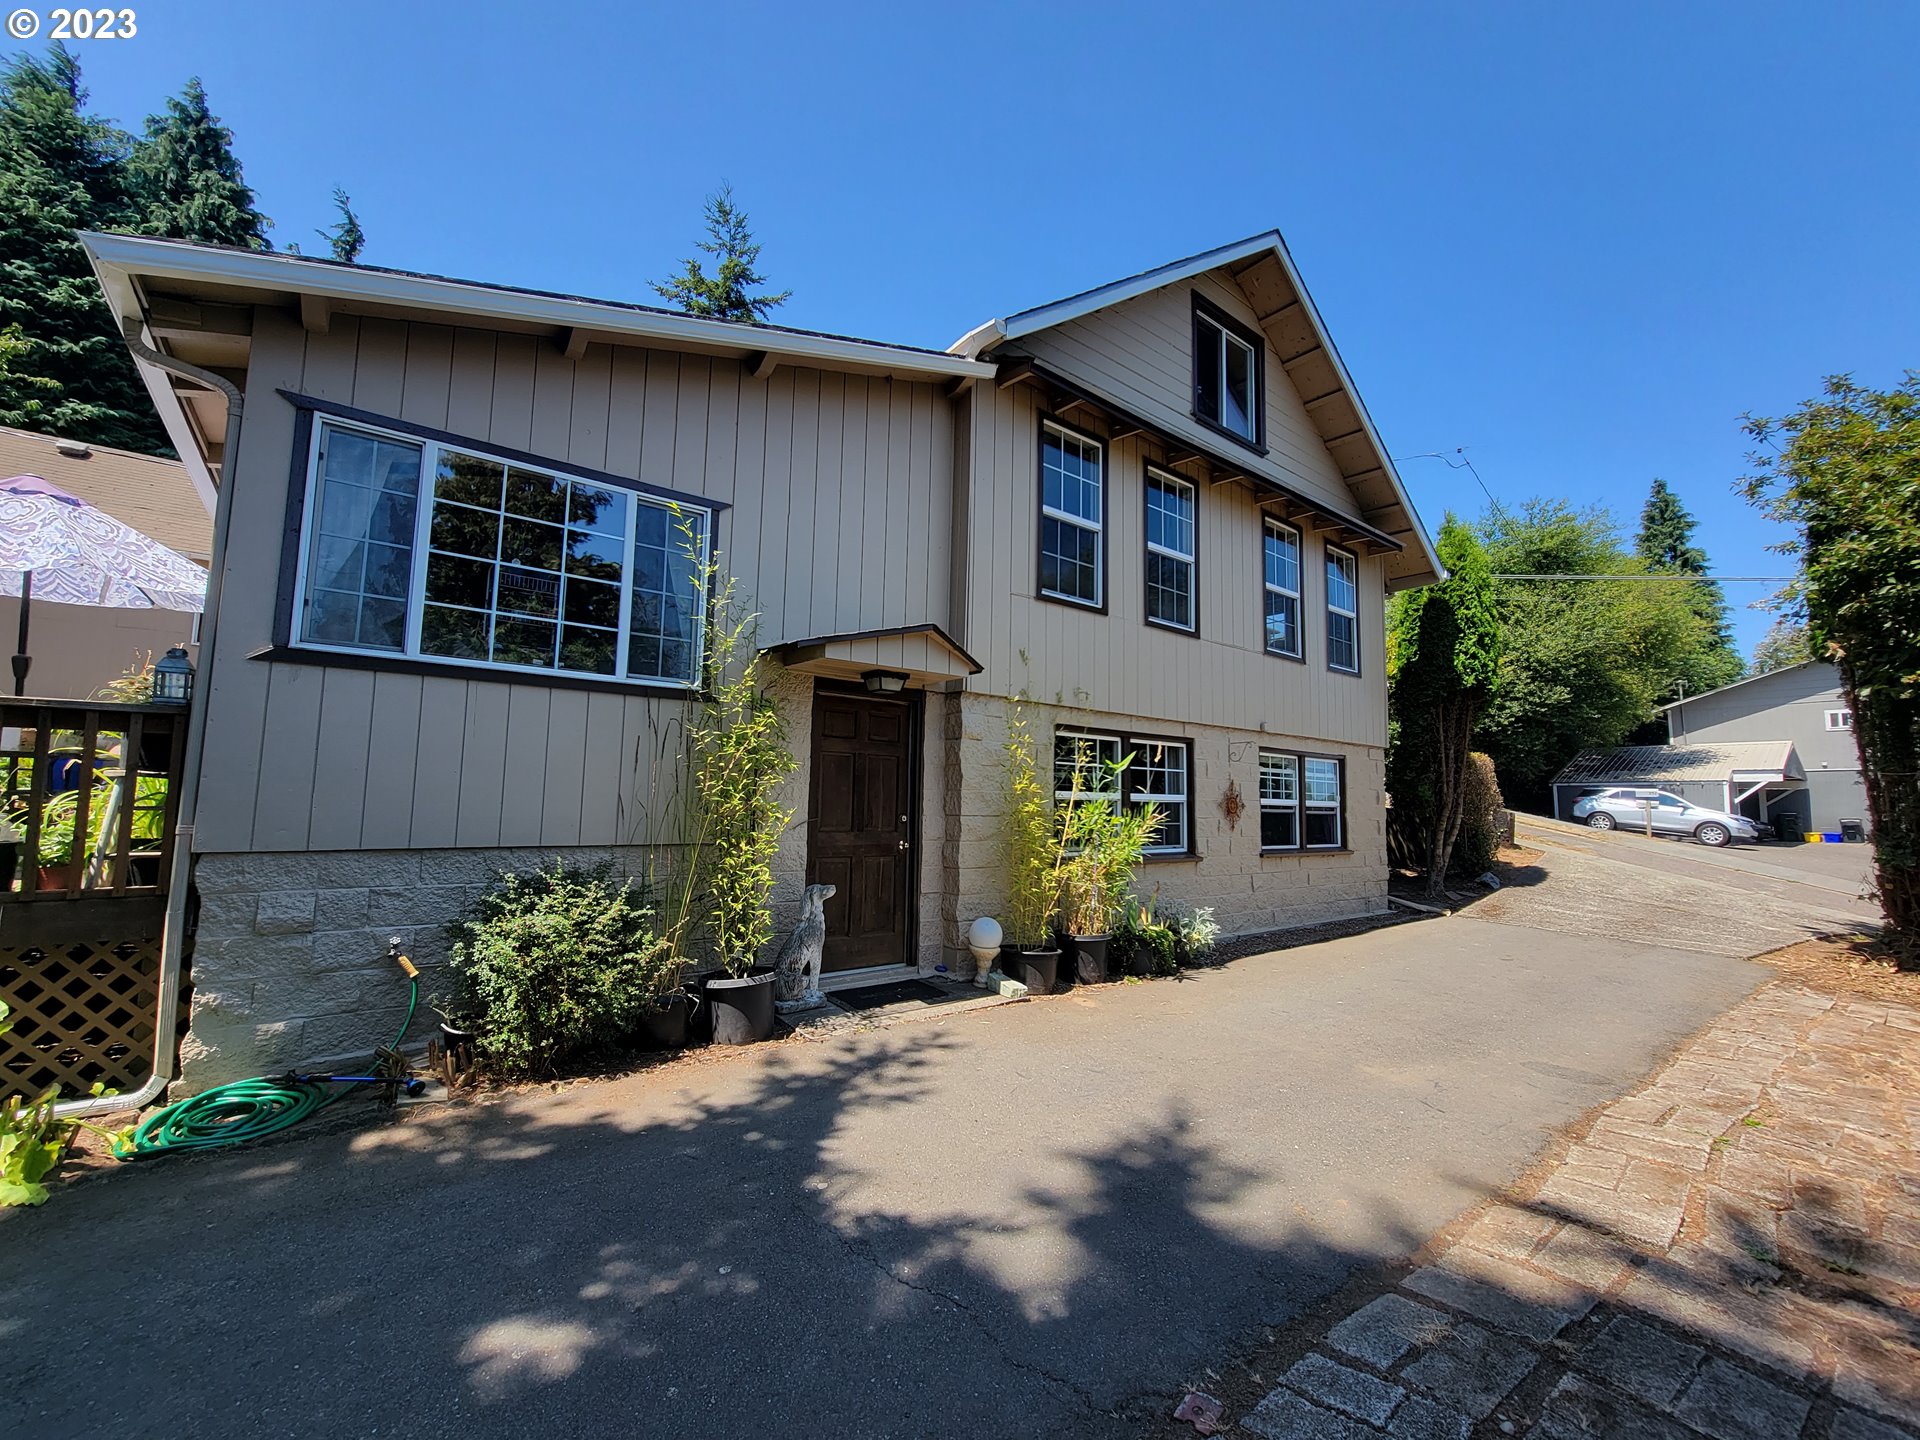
x=897, y=992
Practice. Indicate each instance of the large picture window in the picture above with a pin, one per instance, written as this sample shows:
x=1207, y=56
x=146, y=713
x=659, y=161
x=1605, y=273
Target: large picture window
x=1170, y=551
x=1072, y=517
x=447, y=553
x=1343, y=611
x=1226, y=374
x=1280, y=558
x=1159, y=773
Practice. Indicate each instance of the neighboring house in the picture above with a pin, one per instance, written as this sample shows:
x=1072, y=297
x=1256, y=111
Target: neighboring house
x=448, y=630
x=1777, y=748
x=78, y=648
x=1803, y=705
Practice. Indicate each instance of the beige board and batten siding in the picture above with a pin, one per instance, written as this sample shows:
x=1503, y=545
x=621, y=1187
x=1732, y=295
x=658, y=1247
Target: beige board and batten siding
x=835, y=484
x=1116, y=662
x=1139, y=354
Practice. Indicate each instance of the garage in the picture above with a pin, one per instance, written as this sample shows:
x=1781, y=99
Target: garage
x=1761, y=779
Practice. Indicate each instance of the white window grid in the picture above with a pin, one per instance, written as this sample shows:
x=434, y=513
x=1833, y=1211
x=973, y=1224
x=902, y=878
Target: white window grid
x=1081, y=491
x=1162, y=768
x=1839, y=719
x=1320, y=794
x=1280, y=575
x=1343, y=611
x=1160, y=775
x=1280, y=794
x=696, y=518
x=1171, y=518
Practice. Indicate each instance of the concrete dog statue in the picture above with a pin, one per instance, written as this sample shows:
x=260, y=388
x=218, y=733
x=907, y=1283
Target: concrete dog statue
x=796, y=974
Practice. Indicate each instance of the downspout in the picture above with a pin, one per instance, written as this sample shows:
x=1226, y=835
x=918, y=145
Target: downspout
x=173, y=936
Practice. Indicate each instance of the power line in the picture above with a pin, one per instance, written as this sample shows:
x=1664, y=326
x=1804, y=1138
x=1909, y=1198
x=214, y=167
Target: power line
x=1669, y=575
x=1465, y=464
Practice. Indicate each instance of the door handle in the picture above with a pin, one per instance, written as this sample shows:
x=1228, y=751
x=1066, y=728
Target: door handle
x=906, y=845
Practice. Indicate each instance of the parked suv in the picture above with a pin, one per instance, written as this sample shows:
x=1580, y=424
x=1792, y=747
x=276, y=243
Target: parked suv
x=1627, y=809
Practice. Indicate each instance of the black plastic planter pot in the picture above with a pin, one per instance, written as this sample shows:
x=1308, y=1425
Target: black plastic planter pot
x=1090, y=958
x=742, y=1009
x=457, y=1036
x=1038, y=970
x=1139, y=961
x=667, y=1028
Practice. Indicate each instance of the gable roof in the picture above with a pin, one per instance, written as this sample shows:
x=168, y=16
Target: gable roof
x=1657, y=764
x=1749, y=680
x=1299, y=336
x=154, y=496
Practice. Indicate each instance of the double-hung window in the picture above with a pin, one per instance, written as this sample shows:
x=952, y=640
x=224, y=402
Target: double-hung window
x=1158, y=772
x=1281, y=561
x=1343, y=611
x=1279, y=801
x=1170, y=551
x=1321, y=794
x=1300, y=802
x=1226, y=374
x=443, y=552
x=1072, y=517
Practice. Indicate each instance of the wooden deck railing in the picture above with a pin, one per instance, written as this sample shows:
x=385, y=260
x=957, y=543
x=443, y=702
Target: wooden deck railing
x=89, y=793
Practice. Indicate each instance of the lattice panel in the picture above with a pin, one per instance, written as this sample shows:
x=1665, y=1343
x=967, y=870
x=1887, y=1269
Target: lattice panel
x=82, y=1013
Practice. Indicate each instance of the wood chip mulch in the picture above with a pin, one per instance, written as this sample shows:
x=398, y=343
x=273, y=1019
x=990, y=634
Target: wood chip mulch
x=1847, y=965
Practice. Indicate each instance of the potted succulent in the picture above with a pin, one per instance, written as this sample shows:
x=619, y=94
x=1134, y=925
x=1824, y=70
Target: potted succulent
x=1100, y=845
x=1029, y=954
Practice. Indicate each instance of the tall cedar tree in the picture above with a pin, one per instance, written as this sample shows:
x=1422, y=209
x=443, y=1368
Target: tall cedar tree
x=1665, y=543
x=1845, y=473
x=187, y=181
x=1443, y=657
x=63, y=171
x=1784, y=644
x=345, y=236
x=727, y=294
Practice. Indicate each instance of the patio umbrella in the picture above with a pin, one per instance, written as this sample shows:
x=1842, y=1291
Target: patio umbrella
x=59, y=547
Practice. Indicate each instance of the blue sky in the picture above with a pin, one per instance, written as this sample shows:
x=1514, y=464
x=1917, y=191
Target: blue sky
x=1579, y=241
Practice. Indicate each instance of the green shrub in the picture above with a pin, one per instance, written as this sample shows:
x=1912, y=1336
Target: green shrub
x=1479, y=842
x=1195, y=932
x=556, y=964
x=1143, y=933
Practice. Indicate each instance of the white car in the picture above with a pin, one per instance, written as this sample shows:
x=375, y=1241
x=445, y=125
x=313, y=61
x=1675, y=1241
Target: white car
x=1628, y=809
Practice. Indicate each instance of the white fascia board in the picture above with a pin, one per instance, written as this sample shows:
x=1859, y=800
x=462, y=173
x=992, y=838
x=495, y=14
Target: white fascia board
x=175, y=260
x=117, y=285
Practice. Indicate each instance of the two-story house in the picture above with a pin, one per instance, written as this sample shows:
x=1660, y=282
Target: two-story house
x=448, y=629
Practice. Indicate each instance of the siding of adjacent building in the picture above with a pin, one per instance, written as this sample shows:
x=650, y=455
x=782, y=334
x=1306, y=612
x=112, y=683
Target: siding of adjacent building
x=838, y=486
x=1789, y=704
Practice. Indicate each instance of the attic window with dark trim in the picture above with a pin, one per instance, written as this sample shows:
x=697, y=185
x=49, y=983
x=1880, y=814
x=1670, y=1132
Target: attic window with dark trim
x=1226, y=374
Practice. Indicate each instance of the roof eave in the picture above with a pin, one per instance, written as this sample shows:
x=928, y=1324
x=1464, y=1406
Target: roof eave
x=130, y=255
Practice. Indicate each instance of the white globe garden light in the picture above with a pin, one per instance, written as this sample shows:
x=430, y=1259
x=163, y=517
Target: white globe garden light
x=983, y=939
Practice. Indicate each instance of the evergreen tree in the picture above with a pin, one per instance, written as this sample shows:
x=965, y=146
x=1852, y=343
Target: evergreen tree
x=1665, y=543
x=1784, y=644
x=62, y=170
x=727, y=293
x=188, y=182
x=345, y=235
x=1443, y=657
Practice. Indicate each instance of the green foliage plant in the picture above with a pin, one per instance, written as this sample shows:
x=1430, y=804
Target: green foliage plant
x=1143, y=932
x=1844, y=471
x=1098, y=844
x=1480, y=829
x=187, y=181
x=557, y=964
x=1443, y=657
x=34, y=1139
x=1032, y=889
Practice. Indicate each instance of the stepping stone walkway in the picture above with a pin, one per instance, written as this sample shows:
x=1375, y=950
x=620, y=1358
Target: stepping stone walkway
x=1733, y=1252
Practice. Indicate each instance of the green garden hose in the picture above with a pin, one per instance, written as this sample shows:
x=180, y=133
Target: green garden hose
x=247, y=1110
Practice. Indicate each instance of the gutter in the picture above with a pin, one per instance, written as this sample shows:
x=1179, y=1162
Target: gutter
x=173, y=937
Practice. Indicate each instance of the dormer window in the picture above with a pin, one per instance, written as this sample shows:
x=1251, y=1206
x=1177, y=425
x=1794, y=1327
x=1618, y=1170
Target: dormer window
x=1226, y=374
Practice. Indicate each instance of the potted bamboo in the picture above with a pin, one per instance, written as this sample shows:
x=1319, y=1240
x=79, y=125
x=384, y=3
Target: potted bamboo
x=1029, y=953
x=737, y=757
x=1101, y=844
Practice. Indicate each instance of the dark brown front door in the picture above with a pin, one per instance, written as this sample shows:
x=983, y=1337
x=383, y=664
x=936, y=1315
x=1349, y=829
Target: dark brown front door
x=860, y=825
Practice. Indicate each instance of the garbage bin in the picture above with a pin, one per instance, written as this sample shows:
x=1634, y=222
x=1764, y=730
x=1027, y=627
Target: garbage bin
x=1788, y=826
x=1854, y=832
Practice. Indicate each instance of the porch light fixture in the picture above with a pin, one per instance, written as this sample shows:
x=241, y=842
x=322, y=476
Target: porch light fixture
x=884, y=682
x=173, y=678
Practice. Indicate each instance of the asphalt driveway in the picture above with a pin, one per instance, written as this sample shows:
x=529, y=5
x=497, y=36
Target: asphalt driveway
x=1040, y=1219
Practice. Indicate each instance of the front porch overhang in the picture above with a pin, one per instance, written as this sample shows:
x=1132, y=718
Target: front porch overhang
x=925, y=654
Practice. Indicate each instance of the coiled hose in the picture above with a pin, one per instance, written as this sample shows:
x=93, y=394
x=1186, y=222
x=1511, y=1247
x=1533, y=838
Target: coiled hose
x=245, y=1110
